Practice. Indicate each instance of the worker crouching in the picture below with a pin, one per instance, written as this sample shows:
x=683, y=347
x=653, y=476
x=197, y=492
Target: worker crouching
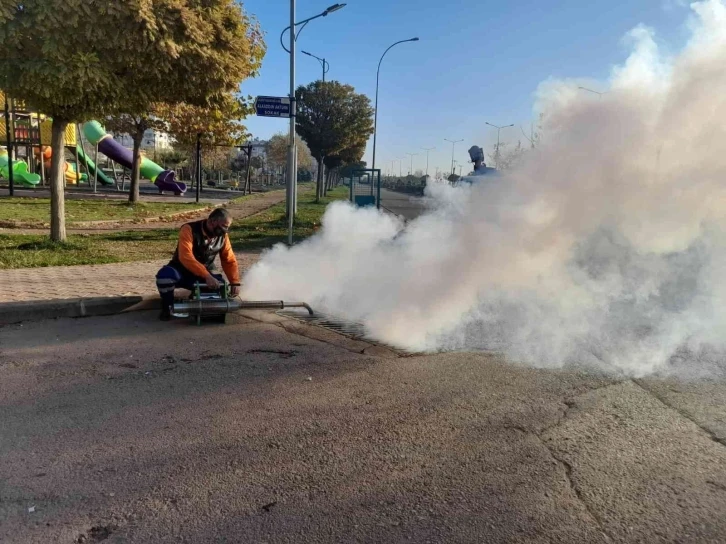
x=193, y=262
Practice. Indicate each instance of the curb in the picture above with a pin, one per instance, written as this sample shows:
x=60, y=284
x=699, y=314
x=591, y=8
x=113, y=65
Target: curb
x=17, y=312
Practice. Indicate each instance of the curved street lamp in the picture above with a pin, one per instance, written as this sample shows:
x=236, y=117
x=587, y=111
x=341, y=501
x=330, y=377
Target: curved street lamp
x=453, y=145
x=292, y=152
x=498, y=129
x=427, y=150
x=410, y=168
x=296, y=35
x=325, y=63
x=378, y=74
x=598, y=93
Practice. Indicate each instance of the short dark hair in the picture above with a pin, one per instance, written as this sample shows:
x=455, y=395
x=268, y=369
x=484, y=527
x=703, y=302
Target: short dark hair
x=219, y=214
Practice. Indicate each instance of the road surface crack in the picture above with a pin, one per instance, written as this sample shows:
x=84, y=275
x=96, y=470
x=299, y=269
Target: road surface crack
x=567, y=468
x=713, y=436
x=568, y=477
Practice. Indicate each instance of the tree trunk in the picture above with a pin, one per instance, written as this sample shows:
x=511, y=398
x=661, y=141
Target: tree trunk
x=136, y=165
x=319, y=183
x=57, y=173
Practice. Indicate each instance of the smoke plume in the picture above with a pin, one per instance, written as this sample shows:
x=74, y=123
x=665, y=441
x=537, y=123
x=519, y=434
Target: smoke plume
x=604, y=246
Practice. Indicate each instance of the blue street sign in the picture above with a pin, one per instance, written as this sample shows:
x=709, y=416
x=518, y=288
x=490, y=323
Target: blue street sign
x=272, y=106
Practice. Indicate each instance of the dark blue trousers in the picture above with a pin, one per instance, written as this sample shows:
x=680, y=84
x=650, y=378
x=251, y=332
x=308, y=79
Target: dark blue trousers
x=169, y=278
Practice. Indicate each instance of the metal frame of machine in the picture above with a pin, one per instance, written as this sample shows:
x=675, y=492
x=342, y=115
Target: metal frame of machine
x=206, y=304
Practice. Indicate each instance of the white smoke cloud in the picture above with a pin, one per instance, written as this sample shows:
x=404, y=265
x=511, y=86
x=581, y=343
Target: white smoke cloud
x=606, y=246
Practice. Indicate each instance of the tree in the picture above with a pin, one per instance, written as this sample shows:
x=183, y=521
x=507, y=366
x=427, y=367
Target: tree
x=217, y=126
x=134, y=126
x=507, y=157
x=332, y=117
x=347, y=170
x=171, y=158
x=119, y=58
x=276, y=150
x=349, y=155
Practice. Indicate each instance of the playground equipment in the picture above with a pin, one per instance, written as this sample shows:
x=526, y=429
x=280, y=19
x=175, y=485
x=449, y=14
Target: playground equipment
x=69, y=169
x=21, y=176
x=45, y=153
x=163, y=179
x=30, y=137
x=214, y=305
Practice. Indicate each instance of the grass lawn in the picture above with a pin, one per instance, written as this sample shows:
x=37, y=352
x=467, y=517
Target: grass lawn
x=255, y=232
x=37, y=210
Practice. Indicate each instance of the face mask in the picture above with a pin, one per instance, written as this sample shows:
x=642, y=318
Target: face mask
x=220, y=231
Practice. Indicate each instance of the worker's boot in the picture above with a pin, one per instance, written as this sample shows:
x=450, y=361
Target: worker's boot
x=165, y=314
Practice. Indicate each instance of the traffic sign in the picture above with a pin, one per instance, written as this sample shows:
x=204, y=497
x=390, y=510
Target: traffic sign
x=272, y=106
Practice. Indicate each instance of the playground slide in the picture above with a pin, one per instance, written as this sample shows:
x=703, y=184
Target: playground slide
x=72, y=176
x=102, y=178
x=21, y=176
x=69, y=169
x=163, y=179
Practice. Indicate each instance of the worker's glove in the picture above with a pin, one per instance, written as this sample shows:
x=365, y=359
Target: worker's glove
x=234, y=289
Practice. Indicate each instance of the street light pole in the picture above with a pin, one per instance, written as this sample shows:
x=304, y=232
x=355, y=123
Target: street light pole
x=594, y=92
x=292, y=151
x=326, y=64
x=375, y=117
x=427, y=149
x=498, y=129
x=410, y=168
x=453, y=145
x=291, y=166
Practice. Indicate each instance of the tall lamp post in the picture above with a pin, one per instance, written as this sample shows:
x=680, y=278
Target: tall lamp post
x=325, y=63
x=498, y=130
x=291, y=151
x=427, y=150
x=410, y=168
x=453, y=145
x=378, y=75
x=599, y=94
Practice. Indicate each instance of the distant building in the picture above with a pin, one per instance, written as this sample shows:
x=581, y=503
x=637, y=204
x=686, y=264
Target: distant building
x=259, y=148
x=152, y=140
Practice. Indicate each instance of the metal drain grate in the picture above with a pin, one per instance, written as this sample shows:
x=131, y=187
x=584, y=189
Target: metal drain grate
x=351, y=329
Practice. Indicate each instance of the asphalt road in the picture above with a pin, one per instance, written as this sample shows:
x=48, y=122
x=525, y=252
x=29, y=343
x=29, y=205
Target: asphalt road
x=124, y=429
x=406, y=205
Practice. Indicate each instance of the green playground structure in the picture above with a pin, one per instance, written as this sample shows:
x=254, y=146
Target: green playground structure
x=21, y=176
x=163, y=179
x=91, y=166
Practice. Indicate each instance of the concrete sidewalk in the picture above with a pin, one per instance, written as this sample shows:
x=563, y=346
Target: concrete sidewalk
x=85, y=290
x=88, y=281
x=72, y=291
